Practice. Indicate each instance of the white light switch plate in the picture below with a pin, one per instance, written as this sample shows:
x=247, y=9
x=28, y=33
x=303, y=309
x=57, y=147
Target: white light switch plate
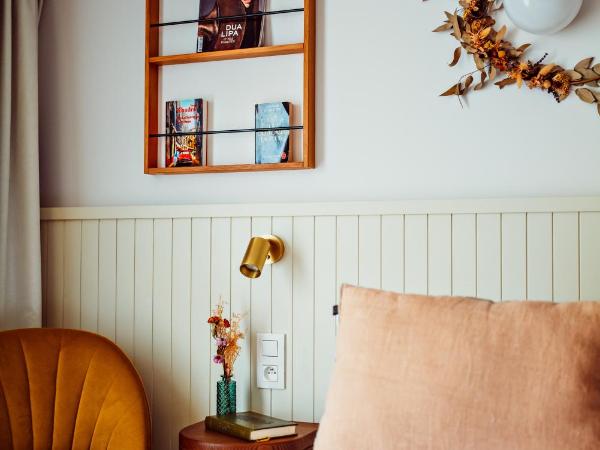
x=270, y=361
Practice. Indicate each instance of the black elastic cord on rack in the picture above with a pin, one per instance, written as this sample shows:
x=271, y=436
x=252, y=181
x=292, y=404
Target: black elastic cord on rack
x=240, y=16
x=241, y=130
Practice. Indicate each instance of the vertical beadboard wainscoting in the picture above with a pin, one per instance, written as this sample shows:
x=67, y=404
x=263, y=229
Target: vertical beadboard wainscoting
x=148, y=277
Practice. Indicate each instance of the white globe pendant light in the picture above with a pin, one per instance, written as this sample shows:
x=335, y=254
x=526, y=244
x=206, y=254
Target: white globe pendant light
x=542, y=16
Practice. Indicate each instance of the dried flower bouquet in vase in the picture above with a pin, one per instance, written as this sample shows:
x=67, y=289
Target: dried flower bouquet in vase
x=227, y=335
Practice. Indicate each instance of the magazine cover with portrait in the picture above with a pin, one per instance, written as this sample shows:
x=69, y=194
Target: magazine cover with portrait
x=245, y=32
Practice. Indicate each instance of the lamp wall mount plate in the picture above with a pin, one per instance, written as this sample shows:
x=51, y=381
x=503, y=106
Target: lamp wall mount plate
x=277, y=248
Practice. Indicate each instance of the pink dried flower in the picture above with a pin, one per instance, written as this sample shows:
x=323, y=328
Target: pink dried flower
x=221, y=342
x=218, y=359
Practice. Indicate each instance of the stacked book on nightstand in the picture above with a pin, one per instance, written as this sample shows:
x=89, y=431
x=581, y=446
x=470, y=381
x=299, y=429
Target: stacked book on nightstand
x=251, y=426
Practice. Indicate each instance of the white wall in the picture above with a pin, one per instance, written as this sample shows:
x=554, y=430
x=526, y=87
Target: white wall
x=382, y=131
x=147, y=278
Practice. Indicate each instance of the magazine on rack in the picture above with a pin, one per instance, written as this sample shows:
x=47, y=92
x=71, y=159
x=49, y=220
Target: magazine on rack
x=241, y=32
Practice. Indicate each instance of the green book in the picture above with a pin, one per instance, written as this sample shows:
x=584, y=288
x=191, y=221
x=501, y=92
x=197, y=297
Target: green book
x=250, y=426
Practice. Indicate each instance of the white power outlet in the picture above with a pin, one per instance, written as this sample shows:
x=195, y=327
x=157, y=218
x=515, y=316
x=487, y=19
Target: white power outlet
x=270, y=364
x=271, y=373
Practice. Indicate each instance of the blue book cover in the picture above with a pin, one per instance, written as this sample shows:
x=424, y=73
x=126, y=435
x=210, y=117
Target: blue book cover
x=272, y=146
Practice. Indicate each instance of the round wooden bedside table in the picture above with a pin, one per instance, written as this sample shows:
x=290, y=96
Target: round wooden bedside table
x=197, y=437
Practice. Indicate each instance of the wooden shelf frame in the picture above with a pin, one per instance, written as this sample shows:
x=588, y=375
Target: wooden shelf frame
x=154, y=61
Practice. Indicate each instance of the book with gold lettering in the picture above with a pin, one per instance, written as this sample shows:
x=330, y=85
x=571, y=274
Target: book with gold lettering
x=250, y=426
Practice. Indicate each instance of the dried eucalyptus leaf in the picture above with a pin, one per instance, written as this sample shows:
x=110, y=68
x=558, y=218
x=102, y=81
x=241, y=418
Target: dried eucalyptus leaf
x=493, y=73
x=588, y=74
x=468, y=82
x=597, y=95
x=478, y=62
x=584, y=64
x=546, y=70
x=523, y=47
x=481, y=84
x=506, y=82
x=585, y=95
x=444, y=27
x=456, y=58
x=500, y=34
x=485, y=33
x=456, y=26
x=574, y=75
x=596, y=69
x=454, y=90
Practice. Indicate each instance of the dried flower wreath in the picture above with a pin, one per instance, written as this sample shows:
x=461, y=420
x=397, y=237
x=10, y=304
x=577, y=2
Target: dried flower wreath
x=473, y=26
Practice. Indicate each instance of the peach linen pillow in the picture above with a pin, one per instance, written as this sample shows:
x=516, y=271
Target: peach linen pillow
x=416, y=372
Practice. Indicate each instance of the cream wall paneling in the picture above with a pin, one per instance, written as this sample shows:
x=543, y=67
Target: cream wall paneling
x=148, y=277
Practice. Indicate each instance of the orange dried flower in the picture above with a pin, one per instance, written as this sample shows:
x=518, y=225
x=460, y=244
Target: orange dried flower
x=561, y=86
x=226, y=334
x=479, y=25
x=520, y=72
x=501, y=63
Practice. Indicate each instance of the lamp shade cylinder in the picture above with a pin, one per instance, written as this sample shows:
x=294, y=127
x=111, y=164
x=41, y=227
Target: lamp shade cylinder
x=255, y=257
x=542, y=16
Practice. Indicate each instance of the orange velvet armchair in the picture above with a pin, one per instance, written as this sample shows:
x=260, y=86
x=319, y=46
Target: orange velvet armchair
x=68, y=389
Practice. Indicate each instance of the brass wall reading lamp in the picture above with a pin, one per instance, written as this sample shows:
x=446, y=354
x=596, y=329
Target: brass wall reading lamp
x=261, y=250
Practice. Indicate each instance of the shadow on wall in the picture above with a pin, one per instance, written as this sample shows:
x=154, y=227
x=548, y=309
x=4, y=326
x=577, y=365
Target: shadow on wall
x=59, y=131
x=589, y=14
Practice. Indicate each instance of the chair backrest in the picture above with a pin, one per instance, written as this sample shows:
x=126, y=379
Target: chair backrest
x=69, y=389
